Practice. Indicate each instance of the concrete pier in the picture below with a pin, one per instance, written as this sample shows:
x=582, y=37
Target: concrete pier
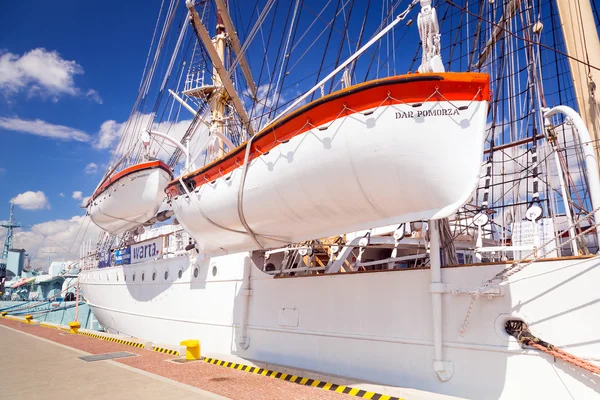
x=43, y=360
x=33, y=367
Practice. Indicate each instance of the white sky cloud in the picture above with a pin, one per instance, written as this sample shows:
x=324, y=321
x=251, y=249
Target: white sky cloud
x=61, y=194
x=110, y=131
x=40, y=72
x=84, y=201
x=31, y=200
x=91, y=168
x=61, y=239
x=94, y=96
x=45, y=129
x=77, y=195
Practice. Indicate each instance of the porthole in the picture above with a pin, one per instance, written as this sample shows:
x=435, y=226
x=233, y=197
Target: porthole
x=117, y=277
x=270, y=267
x=143, y=276
x=180, y=273
x=196, y=272
x=154, y=276
x=133, y=278
x=125, y=277
x=214, y=270
x=166, y=275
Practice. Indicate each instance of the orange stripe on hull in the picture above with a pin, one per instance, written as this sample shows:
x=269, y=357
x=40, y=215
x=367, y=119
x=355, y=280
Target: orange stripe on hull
x=411, y=89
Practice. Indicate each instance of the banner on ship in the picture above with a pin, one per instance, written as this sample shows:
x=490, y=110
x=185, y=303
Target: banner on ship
x=122, y=256
x=145, y=251
x=104, y=259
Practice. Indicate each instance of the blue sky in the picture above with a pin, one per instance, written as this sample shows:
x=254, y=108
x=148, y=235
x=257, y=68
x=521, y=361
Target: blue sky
x=77, y=32
x=67, y=71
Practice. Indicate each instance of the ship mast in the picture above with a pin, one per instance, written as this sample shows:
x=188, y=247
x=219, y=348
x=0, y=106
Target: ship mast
x=583, y=48
x=224, y=92
x=219, y=96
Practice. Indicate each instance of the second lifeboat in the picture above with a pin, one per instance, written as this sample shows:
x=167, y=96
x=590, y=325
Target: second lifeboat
x=130, y=197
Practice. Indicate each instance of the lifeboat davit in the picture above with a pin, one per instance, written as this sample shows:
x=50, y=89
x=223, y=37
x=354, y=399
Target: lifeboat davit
x=388, y=151
x=130, y=197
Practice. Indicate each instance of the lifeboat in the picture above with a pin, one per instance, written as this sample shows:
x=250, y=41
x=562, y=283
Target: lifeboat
x=130, y=197
x=388, y=151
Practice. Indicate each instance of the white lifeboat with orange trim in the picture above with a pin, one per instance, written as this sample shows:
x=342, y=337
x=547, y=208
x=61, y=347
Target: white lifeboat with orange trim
x=388, y=151
x=130, y=197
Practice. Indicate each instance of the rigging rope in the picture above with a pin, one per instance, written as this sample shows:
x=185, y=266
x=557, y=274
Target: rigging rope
x=286, y=55
x=491, y=23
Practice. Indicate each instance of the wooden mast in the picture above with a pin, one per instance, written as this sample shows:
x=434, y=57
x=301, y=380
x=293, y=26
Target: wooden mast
x=219, y=98
x=224, y=91
x=583, y=45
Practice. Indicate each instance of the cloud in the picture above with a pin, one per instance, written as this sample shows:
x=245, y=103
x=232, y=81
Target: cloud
x=94, y=96
x=91, y=168
x=77, y=195
x=31, y=200
x=61, y=239
x=84, y=201
x=39, y=72
x=110, y=132
x=61, y=194
x=266, y=103
x=45, y=129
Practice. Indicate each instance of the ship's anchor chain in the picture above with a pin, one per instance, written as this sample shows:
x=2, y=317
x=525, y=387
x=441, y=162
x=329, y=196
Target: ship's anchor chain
x=521, y=332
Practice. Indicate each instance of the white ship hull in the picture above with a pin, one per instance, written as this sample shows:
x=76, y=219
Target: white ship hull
x=373, y=326
x=387, y=164
x=131, y=199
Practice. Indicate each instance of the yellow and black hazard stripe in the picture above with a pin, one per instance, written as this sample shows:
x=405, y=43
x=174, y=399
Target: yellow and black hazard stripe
x=165, y=351
x=302, y=381
x=111, y=339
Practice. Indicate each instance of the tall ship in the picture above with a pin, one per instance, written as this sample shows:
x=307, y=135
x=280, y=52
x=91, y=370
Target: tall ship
x=406, y=193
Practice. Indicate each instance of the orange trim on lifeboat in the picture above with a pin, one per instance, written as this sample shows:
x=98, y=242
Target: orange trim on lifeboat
x=128, y=171
x=411, y=88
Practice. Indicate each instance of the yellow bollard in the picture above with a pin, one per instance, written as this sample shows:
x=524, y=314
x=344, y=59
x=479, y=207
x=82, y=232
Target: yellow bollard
x=192, y=349
x=28, y=318
x=3, y=314
x=74, y=327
